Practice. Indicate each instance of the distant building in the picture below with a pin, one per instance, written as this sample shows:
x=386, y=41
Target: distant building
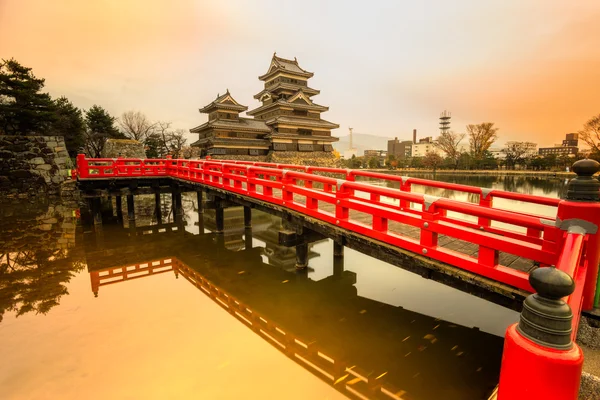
x=497, y=153
x=401, y=149
x=421, y=149
x=349, y=153
x=376, y=153
x=569, y=147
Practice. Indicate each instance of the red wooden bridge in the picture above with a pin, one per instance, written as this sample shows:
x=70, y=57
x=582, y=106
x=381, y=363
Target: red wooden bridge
x=470, y=240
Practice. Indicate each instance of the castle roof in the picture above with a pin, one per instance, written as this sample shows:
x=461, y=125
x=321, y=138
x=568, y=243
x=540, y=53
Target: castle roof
x=247, y=124
x=223, y=102
x=279, y=64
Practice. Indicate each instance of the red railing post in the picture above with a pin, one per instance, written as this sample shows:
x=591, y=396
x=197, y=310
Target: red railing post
x=83, y=170
x=286, y=193
x=342, y=194
x=540, y=361
x=250, y=185
x=429, y=238
x=582, y=207
x=485, y=200
x=405, y=186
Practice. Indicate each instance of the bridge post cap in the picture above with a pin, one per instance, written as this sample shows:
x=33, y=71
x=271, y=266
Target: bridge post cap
x=584, y=187
x=551, y=283
x=585, y=167
x=546, y=319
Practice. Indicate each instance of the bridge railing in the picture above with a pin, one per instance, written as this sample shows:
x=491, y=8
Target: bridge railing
x=379, y=212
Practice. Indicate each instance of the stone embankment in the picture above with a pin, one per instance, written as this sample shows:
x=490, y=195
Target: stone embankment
x=315, y=158
x=32, y=165
x=125, y=148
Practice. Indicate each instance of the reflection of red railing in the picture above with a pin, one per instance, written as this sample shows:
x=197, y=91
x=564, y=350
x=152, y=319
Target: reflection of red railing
x=128, y=272
x=306, y=190
x=338, y=373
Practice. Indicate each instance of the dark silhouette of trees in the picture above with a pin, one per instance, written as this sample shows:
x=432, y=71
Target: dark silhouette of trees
x=100, y=126
x=24, y=109
x=69, y=123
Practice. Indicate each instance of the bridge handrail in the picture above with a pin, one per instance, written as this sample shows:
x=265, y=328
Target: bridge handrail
x=572, y=260
x=539, y=243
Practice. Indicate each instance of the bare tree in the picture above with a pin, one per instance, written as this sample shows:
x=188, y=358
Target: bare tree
x=517, y=152
x=176, y=142
x=136, y=125
x=481, y=137
x=432, y=160
x=163, y=131
x=190, y=152
x=448, y=142
x=590, y=134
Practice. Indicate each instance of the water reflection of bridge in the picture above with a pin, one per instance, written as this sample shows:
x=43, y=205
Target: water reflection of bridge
x=362, y=347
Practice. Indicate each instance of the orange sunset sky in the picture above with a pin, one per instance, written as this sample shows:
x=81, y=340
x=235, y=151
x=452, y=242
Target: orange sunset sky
x=383, y=67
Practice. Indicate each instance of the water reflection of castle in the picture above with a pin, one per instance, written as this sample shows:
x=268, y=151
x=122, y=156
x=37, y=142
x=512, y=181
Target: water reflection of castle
x=357, y=344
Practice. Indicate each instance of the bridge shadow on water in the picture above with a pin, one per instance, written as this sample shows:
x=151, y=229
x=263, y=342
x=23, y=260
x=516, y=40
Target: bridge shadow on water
x=360, y=344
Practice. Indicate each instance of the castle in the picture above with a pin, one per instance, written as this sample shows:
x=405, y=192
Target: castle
x=287, y=127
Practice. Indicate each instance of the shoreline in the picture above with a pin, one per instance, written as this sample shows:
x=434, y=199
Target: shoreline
x=551, y=174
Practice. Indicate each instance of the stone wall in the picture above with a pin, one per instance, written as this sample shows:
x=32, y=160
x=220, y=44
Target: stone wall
x=32, y=165
x=125, y=148
x=313, y=158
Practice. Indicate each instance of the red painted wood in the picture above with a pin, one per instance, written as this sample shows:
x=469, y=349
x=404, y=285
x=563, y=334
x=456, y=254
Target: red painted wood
x=531, y=238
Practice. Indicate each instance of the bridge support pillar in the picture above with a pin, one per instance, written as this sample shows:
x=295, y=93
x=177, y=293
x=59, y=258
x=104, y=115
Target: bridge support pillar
x=200, y=202
x=302, y=256
x=248, y=238
x=247, y=217
x=219, y=216
x=157, y=210
x=130, y=208
x=119, y=206
x=97, y=210
x=540, y=361
x=176, y=203
x=338, y=266
x=338, y=249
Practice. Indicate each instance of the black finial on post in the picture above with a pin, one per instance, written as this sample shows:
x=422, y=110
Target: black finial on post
x=584, y=187
x=546, y=318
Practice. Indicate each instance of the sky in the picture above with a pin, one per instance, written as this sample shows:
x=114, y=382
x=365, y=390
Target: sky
x=383, y=67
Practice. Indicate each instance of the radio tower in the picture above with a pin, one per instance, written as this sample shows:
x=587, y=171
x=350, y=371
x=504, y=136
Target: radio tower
x=445, y=121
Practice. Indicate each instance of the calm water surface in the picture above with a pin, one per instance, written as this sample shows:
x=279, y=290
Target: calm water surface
x=167, y=309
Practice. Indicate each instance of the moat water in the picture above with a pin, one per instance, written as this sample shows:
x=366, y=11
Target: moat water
x=168, y=309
